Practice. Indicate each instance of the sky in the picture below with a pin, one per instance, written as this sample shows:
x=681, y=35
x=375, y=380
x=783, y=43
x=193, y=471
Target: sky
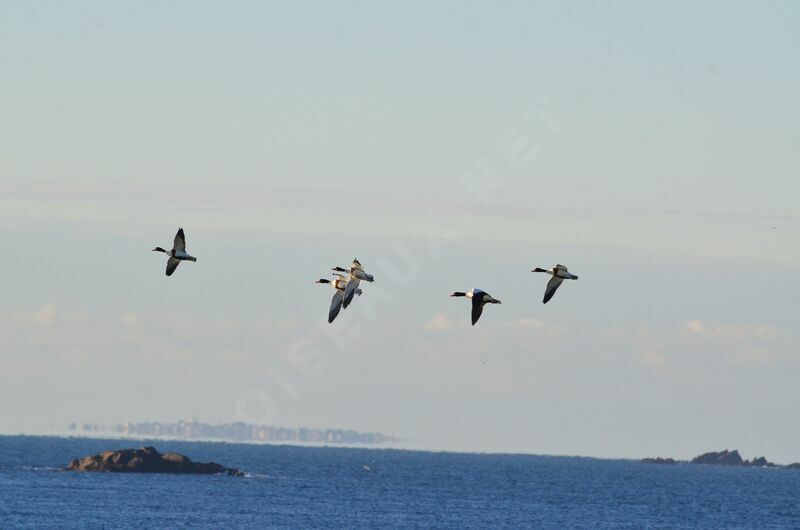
x=653, y=148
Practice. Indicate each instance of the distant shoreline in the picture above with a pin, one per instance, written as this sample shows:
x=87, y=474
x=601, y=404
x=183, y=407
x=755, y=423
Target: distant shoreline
x=400, y=445
x=194, y=429
x=162, y=438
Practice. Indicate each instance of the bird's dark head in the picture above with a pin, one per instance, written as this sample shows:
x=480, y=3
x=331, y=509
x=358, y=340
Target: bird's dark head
x=458, y=293
x=159, y=249
x=322, y=280
x=537, y=269
x=339, y=269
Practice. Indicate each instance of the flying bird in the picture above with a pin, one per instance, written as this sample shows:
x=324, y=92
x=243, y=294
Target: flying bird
x=339, y=283
x=559, y=273
x=357, y=275
x=177, y=254
x=479, y=299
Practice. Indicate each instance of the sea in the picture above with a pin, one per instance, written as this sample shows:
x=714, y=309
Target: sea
x=333, y=487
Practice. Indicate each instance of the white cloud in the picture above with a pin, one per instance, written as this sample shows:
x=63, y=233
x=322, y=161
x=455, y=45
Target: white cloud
x=553, y=328
x=534, y=323
x=651, y=359
x=42, y=316
x=440, y=322
x=740, y=331
x=696, y=326
x=130, y=320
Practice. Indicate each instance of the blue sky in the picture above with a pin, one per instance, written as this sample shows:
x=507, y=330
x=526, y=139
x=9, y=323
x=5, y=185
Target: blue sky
x=652, y=148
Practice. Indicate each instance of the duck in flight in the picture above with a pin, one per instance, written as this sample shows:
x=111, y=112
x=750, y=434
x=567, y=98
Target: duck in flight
x=357, y=275
x=339, y=284
x=479, y=299
x=177, y=254
x=559, y=273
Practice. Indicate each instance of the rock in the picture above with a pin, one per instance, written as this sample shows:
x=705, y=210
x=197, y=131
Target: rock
x=760, y=462
x=147, y=460
x=724, y=458
x=659, y=460
x=176, y=457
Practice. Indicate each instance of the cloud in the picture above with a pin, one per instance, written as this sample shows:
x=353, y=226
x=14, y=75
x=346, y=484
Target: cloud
x=553, y=328
x=744, y=342
x=713, y=349
x=741, y=331
x=534, y=323
x=440, y=322
x=651, y=359
x=42, y=316
x=129, y=320
x=696, y=326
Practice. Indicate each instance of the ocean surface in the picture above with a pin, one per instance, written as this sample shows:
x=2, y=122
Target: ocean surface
x=309, y=487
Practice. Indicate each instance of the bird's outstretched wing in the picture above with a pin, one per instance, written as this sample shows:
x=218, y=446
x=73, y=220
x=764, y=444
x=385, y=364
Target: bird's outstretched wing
x=350, y=291
x=180, y=241
x=361, y=275
x=477, y=309
x=172, y=264
x=552, y=286
x=336, y=305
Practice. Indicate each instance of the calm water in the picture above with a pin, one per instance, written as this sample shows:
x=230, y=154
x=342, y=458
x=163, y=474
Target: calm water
x=330, y=487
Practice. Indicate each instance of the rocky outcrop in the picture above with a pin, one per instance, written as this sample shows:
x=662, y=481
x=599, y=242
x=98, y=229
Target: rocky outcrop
x=659, y=460
x=796, y=465
x=723, y=458
x=731, y=458
x=760, y=462
x=147, y=460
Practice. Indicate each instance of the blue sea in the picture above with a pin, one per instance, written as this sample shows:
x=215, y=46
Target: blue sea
x=314, y=487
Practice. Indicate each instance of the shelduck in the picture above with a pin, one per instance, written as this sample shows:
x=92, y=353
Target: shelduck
x=339, y=284
x=356, y=276
x=559, y=273
x=479, y=299
x=177, y=254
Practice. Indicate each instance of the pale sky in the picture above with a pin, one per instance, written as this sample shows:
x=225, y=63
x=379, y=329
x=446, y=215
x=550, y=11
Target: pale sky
x=653, y=148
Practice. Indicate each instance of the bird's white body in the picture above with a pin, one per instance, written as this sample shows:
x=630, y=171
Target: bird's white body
x=482, y=295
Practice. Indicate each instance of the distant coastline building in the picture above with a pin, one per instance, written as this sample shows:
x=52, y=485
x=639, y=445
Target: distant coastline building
x=236, y=432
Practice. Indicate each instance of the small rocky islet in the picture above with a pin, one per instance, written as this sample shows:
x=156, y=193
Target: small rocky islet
x=720, y=458
x=147, y=460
